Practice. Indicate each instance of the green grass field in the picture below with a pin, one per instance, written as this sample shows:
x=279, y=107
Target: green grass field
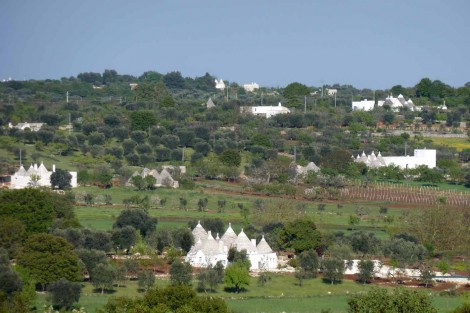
x=458, y=143
x=281, y=294
x=333, y=218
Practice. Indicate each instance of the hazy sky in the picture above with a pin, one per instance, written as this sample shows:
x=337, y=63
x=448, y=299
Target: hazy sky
x=368, y=43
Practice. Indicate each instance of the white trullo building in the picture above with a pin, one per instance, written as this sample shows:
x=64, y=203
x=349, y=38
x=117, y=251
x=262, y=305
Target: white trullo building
x=424, y=156
x=208, y=250
x=36, y=176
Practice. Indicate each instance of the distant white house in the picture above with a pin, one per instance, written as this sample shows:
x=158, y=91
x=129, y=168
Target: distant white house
x=34, y=127
x=363, y=105
x=219, y=84
x=425, y=157
x=399, y=102
x=265, y=111
x=443, y=106
x=208, y=250
x=303, y=170
x=394, y=103
x=36, y=176
x=250, y=87
x=162, y=179
x=332, y=92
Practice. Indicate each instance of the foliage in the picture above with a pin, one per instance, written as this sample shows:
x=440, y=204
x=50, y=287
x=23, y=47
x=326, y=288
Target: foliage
x=294, y=91
x=35, y=208
x=170, y=299
x=103, y=276
x=309, y=262
x=230, y=157
x=404, y=252
x=237, y=276
x=142, y=120
x=146, y=279
x=263, y=279
x=234, y=256
x=9, y=280
x=364, y=243
x=366, y=270
x=12, y=234
x=300, y=235
x=442, y=229
x=464, y=308
x=138, y=219
x=180, y=273
x=64, y=293
x=49, y=258
x=124, y=238
x=61, y=179
x=333, y=270
x=209, y=278
x=400, y=300
x=91, y=258
x=426, y=275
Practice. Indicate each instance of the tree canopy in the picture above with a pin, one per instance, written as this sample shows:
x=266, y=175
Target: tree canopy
x=49, y=258
x=36, y=209
x=300, y=235
x=137, y=218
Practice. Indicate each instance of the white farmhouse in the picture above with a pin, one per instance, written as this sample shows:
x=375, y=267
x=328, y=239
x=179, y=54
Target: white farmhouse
x=265, y=111
x=425, y=157
x=209, y=250
x=36, y=176
x=251, y=87
x=34, y=127
x=399, y=102
x=162, y=179
x=219, y=84
x=394, y=103
x=366, y=105
x=332, y=92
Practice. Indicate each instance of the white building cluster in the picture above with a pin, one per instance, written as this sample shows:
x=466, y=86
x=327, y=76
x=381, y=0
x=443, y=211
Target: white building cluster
x=162, y=179
x=251, y=87
x=394, y=103
x=219, y=84
x=425, y=157
x=265, y=111
x=34, y=127
x=209, y=250
x=36, y=176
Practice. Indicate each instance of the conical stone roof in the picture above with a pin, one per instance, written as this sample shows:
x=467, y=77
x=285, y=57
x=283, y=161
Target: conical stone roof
x=244, y=243
x=21, y=171
x=210, y=246
x=263, y=246
x=199, y=232
x=229, y=237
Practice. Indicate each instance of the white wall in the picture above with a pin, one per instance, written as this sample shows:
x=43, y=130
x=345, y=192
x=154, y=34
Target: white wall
x=421, y=157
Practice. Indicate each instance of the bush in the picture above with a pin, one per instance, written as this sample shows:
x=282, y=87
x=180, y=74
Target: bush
x=64, y=293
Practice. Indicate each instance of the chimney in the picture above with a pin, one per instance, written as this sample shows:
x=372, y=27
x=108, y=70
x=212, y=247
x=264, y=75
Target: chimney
x=53, y=168
x=253, y=242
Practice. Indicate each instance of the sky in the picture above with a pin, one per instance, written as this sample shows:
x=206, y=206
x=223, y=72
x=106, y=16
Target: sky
x=372, y=44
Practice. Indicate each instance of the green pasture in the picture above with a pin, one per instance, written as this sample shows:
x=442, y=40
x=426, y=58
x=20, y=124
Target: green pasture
x=315, y=304
x=458, y=143
x=332, y=218
x=282, y=293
